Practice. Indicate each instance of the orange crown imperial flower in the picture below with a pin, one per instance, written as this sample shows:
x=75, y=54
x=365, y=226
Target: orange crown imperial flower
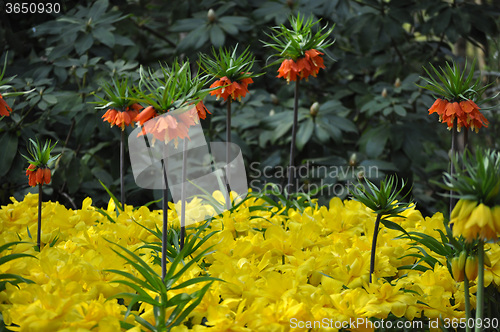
x=465, y=112
x=235, y=90
x=458, y=96
x=172, y=126
x=38, y=172
x=122, y=118
x=38, y=175
x=303, y=67
x=4, y=108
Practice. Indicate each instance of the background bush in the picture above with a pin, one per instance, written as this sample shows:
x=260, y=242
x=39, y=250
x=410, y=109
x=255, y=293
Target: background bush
x=371, y=112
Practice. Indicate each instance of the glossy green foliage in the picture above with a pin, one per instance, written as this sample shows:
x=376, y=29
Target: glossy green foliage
x=370, y=113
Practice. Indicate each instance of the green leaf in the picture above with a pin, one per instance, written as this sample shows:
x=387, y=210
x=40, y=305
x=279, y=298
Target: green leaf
x=8, y=142
x=113, y=197
x=105, y=36
x=375, y=140
x=217, y=36
x=392, y=225
x=400, y=110
x=304, y=133
x=83, y=43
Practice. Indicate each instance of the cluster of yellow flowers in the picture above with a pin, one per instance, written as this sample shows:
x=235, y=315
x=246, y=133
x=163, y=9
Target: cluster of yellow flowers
x=472, y=219
x=278, y=268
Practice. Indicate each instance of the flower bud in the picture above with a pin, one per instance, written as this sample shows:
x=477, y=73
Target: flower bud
x=458, y=266
x=39, y=176
x=274, y=99
x=211, y=15
x=471, y=268
x=384, y=93
x=313, y=110
x=397, y=84
x=46, y=175
x=458, y=273
x=353, y=160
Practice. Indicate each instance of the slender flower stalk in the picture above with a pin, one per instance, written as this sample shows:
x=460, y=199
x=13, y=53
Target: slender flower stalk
x=233, y=74
x=480, y=286
x=383, y=202
x=300, y=52
x=121, y=112
x=228, y=148
x=183, y=193
x=164, y=234
x=468, y=314
x=291, y=167
x=39, y=173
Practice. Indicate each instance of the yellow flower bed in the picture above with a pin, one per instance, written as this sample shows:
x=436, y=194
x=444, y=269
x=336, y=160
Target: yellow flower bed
x=281, y=272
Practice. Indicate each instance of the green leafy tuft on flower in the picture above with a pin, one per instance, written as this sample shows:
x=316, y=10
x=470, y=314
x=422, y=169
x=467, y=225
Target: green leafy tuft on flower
x=233, y=73
x=226, y=63
x=170, y=88
x=453, y=85
x=382, y=201
x=40, y=156
x=293, y=43
x=118, y=94
x=478, y=179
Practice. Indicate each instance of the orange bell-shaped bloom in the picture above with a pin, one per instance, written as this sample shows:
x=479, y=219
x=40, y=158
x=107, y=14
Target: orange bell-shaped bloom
x=4, y=108
x=122, y=118
x=288, y=70
x=235, y=90
x=202, y=110
x=303, y=67
x=466, y=113
x=38, y=175
x=147, y=114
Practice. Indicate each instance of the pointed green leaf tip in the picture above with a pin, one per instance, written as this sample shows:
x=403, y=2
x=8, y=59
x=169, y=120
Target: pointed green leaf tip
x=226, y=62
x=476, y=177
x=453, y=84
x=40, y=156
x=383, y=201
x=293, y=43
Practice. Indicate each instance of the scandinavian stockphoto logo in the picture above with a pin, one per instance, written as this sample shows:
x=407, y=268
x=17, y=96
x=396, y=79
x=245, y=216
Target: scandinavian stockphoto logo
x=171, y=151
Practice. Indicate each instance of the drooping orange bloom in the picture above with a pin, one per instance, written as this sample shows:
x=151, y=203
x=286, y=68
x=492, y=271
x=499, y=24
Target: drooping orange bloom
x=316, y=61
x=4, y=108
x=147, y=114
x=38, y=175
x=309, y=64
x=288, y=70
x=166, y=128
x=202, y=110
x=234, y=89
x=122, y=118
x=465, y=112
x=169, y=127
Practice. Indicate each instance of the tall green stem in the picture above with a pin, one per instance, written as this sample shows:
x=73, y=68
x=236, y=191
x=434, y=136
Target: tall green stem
x=39, y=228
x=374, y=246
x=291, y=168
x=467, y=303
x=183, y=192
x=228, y=140
x=164, y=237
x=452, y=166
x=122, y=166
x=480, y=286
